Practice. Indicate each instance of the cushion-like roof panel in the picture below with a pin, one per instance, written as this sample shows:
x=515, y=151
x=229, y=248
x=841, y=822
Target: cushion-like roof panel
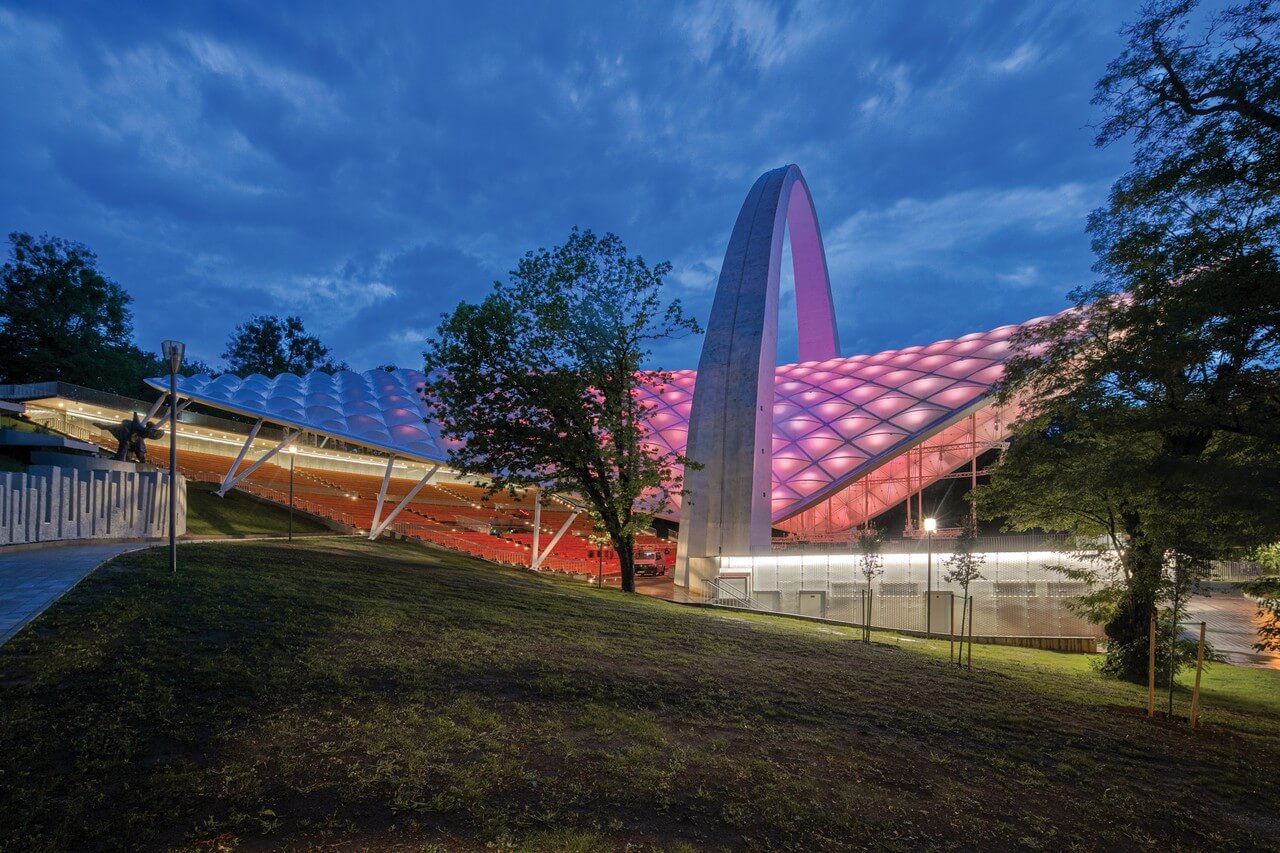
x=378, y=409
x=835, y=420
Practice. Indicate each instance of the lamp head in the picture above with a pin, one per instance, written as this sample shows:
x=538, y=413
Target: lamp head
x=930, y=525
x=173, y=352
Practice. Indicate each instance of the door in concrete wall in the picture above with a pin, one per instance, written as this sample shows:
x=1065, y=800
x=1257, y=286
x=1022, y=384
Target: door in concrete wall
x=737, y=587
x=813, y=604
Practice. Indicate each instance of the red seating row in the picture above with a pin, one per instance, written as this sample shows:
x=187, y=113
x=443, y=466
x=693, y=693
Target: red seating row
x=453, y=515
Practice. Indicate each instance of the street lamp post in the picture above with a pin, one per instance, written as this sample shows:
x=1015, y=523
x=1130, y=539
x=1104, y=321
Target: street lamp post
x=173, y=352
x=930, y=527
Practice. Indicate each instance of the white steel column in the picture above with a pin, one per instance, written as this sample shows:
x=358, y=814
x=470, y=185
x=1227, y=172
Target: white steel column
x=377, y=530
x=538, y=558
x=181, y=407
x=229, y=482
x=253, y=433
x=155, y=407
x=973, y=469
x=382, y=492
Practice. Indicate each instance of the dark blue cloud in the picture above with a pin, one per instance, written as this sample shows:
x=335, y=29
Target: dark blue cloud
x=369, y=166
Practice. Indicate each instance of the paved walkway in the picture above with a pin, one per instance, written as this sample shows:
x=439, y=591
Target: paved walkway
x=32, y=580
x=1231, y=626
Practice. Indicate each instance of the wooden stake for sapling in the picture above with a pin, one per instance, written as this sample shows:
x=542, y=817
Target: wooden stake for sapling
x=1151, y=672
x=952, y=656
x=971, y=632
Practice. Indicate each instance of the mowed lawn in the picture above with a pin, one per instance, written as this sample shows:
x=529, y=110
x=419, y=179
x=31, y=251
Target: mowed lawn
x=338, y=694
x=239, y=514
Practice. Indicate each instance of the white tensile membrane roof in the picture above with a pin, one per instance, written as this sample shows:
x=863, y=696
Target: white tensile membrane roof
x=832, y=421
x=378, y=409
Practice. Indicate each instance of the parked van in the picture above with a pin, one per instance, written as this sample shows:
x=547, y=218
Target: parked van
x=651, y=563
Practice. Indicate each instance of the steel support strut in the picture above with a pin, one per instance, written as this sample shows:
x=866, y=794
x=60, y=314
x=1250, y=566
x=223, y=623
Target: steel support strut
x=538, y=558
x=537, y=527
x=404, y=502
x=229, y=482
x=382, y=492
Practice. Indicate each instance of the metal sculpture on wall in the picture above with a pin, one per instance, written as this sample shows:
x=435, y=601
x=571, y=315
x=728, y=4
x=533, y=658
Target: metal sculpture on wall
x=132, y=437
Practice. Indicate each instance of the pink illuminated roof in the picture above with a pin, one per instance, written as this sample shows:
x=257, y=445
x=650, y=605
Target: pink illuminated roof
x=835, y=420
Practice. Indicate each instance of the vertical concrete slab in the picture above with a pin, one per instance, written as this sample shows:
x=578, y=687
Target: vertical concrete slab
x=48, y=503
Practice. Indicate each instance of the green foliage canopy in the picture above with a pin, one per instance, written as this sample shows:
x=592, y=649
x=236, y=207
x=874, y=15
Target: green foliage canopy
x=964, y=564
x=1150, y=412
x=271, y=345
x=538, y=382
x=62, y=319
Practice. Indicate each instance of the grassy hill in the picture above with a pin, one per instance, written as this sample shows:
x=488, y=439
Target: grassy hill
x=239, y=514
x=337, y=692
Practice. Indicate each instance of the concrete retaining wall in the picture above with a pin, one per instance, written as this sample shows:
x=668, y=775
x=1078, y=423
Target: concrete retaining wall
x=48, y=503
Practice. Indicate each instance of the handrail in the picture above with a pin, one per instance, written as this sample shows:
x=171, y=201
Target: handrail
x=722, y=594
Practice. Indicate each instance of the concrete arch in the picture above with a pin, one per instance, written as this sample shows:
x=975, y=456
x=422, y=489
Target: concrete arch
x=727, y=508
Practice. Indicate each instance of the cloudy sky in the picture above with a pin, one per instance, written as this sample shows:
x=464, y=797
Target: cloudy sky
x=369, y=165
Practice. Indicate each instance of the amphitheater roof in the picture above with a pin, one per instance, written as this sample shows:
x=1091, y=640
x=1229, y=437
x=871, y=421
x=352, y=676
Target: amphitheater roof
x=378, y=409
x=833, y=421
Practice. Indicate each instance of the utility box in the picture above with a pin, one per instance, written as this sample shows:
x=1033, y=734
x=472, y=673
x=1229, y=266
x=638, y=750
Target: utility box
x=940, y=612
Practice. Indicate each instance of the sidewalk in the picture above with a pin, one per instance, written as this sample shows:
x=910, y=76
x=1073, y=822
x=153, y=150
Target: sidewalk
x=32, y=580
x=1231, y=626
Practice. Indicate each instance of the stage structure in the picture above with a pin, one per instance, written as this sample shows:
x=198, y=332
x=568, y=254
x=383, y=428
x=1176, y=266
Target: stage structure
x=814, y=448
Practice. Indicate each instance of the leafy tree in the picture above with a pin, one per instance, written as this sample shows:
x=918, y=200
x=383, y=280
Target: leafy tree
x=538, y=383
x=1150, y=412
x=963, y=567
x=62, y=319
x=1267, y=591
x=870, y=544
x=1268, y=558
x=272, y=345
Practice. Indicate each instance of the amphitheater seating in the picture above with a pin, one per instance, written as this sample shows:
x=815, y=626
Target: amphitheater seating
x=458, y=516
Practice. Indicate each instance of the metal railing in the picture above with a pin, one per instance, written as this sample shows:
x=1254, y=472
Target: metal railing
x=1235, y=570
x=714, y=592
x=277, y=496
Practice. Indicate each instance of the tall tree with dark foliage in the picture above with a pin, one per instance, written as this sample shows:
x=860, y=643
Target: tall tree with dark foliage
x=1152, y=412
x=62, y=319
x=272, y=345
